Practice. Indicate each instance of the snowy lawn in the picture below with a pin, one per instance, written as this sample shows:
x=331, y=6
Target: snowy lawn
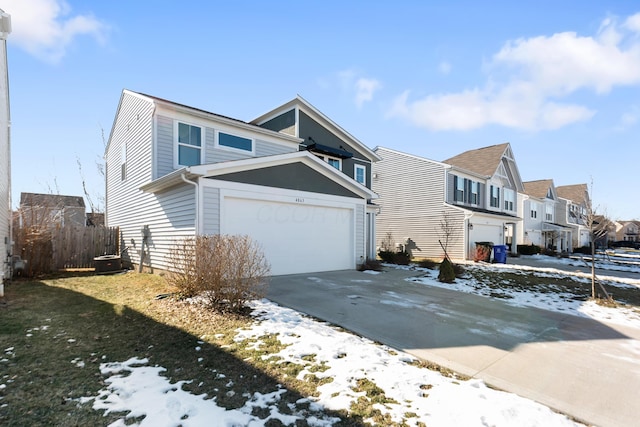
x=199, y=375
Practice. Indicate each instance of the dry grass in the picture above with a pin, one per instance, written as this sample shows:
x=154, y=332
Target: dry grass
x=52, y=326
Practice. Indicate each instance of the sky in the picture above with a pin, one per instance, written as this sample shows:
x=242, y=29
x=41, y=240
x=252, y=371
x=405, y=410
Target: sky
x=560, y=81
x=137, y=389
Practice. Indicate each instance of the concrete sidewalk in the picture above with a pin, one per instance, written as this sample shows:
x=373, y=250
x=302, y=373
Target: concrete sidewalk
x=587, y=369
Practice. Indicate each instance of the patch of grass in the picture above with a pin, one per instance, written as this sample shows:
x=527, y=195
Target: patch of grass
x=54, y=334
x=549, y=283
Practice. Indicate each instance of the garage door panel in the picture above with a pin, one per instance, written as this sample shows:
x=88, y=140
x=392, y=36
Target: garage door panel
x=296, y=238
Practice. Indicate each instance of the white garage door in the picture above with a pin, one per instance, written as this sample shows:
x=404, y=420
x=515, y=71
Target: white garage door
x=485, y=233
x=296, y=238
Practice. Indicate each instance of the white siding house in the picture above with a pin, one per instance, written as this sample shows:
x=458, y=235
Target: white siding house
x=541, y=217
x=474, y=195
x=573, y=211
x=174, y=171
x=5, y=152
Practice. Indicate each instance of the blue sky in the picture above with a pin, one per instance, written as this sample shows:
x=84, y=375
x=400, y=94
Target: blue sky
x=560, y=81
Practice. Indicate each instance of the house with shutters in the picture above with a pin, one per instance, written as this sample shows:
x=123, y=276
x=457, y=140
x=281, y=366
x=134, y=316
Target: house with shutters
x=427, y=204
x=541, y=224
x=573, y=211
x=292, y=179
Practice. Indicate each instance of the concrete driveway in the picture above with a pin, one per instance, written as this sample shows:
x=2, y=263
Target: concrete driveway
x=587, y=369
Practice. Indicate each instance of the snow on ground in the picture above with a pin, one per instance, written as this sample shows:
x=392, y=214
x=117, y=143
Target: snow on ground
x=414, y=394
x=556, y=301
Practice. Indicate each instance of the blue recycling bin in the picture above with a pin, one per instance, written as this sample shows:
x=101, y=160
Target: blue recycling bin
x=500, y=254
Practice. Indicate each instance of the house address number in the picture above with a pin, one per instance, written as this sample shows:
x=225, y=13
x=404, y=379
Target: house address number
x=299, y=200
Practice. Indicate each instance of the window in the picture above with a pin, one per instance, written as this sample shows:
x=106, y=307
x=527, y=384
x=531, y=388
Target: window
x=458, y=182
x=334, y=162
x=360, y=174
x=509, y=199
x=189, y=145
x=474, y=193
x=233, y=141
x=548, y=213
x=534, y=210
x=495, y=197
x=123, y=162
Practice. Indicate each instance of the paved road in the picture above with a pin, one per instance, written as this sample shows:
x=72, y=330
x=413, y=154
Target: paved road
x=584, y=368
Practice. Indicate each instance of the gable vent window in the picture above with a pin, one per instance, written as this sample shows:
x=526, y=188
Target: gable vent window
x=189, y=145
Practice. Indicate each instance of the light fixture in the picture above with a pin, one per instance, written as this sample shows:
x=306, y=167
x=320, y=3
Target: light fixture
x=470, y=226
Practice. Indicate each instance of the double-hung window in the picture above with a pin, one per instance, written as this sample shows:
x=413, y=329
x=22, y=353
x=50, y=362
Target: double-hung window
x=189, y=144
x=459, y=189
x=548, y=213
x=494, y=201
x=509, y=199
x=474, y=193
x=534, y=210
x=360, y=174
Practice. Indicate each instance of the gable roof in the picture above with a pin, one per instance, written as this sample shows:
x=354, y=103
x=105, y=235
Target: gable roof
x=51, y=200
x=483, y=161
x=538, y=188
x=488, y=162
x=312, y=111
x=577, y=193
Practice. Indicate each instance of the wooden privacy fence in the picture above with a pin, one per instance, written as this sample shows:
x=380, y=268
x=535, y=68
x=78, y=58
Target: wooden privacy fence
x=71, y=246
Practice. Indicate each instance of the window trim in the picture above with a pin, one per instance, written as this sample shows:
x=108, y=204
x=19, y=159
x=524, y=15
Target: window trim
x=509, y=197
x=356, y=168
x=234, y=149
x=177, y=143
x=496, y=198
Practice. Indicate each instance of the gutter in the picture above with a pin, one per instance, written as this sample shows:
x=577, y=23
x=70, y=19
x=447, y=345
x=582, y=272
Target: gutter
x=197, y=218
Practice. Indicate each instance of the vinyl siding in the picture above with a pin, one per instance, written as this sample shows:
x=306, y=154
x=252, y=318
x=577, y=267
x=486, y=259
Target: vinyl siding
x=211, y=210
x=165, y=150
x=5, y=162
x=360, y=234
x=412, y=194
x=170, y=215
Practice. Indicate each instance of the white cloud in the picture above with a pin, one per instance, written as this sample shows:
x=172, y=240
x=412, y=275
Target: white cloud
x=629, y=118
x=45, y=28
x=361, y=88
x=530, y=79
x=365, y=89
x=633, y=23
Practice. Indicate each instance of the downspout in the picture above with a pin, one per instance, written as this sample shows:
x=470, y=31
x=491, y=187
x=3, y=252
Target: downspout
x=197, y=215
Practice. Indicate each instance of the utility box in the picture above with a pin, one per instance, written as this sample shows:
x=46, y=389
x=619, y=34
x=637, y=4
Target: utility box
x=107, y=263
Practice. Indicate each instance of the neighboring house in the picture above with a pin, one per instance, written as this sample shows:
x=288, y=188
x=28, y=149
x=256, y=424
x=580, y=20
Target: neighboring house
x=5, y=153
x=469, y=198
x=540, y=224
x=573, y=212
x=627, y=231
x=51, y=210
x=175, y=171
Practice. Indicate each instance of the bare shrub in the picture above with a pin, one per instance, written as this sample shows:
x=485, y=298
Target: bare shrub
x=227, y=271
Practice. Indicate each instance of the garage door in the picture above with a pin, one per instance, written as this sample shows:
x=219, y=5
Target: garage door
x=485, y=233
x=296, y=238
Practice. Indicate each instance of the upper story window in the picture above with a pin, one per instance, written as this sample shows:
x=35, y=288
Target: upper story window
x=494, y=200
x=335, y=162
x=236, y=142
x=548, y=215
x=509, y=199
x=360, y=174
x=189, y=144
x=458, y=196
x=534, y=210
x=123, y=162
x=474, y=193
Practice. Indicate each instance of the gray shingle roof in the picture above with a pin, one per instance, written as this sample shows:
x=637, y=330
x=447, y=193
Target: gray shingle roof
x=483, y=161
x=538, y=188
x=577, y=193
x=51, y=200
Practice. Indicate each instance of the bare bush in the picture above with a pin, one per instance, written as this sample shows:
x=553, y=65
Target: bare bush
x=227, y=271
